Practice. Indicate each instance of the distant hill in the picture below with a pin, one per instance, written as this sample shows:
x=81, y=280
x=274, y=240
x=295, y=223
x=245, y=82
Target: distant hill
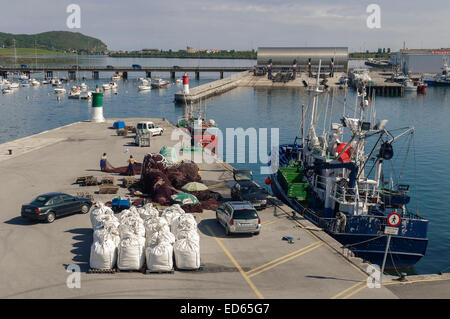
x=54, y=41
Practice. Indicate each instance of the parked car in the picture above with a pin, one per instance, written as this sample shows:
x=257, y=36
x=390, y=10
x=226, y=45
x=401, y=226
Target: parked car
x=136, y=66
x=47, y=207
x=176, y=67
x=149, y=127
x=238, y=217
x=245, y=189
x=24, y=66
x=109, y=67
x=74, y=66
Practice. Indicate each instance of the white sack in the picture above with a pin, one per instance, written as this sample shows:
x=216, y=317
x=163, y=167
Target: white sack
x=103, y=255
x=131, y=254
x=187, y=254
x=172, y=212
x=159, y=257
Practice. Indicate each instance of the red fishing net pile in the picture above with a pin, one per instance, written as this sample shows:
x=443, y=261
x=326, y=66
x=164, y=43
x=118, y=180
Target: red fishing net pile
x=124, y=170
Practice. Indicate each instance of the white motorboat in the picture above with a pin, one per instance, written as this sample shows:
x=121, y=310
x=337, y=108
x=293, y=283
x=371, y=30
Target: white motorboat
x=160, y=83
x=35, y=82
x=60, y=90
x=14, y=85
x=179, y=81
x=144, y=87
x=45, y=82
x=86, y=95
x=106, y=86
x=113, y=85
x=144, y=81
x=7, y=90
x=56, y=82
x=25, y=84
x=83, y=86
x=115, y=77
x=74, y=94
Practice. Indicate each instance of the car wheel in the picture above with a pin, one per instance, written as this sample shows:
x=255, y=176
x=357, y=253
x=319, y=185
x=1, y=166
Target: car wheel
x=85, y=209
x=50, y=217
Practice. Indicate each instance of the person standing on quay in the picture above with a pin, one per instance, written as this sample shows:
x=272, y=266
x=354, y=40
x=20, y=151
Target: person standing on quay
x=131, y=166
x=103, y=162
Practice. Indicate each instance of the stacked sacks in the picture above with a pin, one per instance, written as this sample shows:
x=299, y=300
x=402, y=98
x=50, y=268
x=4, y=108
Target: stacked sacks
x=131, y=254
x=106, y=238
x=187, y=244
x=172, y=212
x=148, y=212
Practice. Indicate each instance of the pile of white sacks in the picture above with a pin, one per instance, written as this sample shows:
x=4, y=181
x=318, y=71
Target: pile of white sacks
x=144, y=235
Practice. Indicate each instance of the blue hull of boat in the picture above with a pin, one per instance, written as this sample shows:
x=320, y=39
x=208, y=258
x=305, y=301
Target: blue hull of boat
x=363, y=234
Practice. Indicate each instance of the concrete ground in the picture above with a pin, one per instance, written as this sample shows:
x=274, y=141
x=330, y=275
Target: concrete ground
x=34, y=256
x=262, y=81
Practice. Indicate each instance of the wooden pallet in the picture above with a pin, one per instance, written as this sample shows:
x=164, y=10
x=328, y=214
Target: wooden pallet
x=108, y=189
x=107, y=180
x=130, y=181
x=147, y=272
x=87, y=180
x=101, y=271
x=130, y=128
x=122, y=132
x=86, y=195
x=190, y=270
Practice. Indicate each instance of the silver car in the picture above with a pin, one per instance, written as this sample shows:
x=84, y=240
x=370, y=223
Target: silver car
x=238, y=217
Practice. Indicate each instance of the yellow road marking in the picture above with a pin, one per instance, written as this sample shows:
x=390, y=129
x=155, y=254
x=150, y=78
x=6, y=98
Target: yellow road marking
x=247, y=279
x=350, y=288
x=270, y=221
x=355, y=292
x=285, y=260
x=414, y=281
x=282, y=257
x=326, y=244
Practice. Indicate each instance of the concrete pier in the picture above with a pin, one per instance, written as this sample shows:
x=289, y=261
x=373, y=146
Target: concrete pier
x=34, y=256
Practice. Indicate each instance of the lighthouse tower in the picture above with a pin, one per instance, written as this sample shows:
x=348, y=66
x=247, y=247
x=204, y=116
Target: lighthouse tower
x=185, y=84
x=97, y=107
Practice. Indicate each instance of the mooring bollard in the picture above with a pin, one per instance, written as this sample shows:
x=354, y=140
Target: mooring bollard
x=10, y=152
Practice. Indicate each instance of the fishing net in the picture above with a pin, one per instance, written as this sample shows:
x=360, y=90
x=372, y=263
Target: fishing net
x=123, y=170
x=183, y=173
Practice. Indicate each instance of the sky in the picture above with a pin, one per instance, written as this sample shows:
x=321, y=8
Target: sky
x=239, y=24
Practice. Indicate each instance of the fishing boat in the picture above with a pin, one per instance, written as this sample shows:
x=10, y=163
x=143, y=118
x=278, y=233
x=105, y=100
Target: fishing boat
x=74, y=94
x=440, y=79
x=115, y=77
x=160, y=83
x=60, y=90
x=378, y=63
x=334, y=183
x=410, y=85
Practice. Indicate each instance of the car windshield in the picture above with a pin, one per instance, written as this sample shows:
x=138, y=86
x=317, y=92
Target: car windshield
x=245, y=214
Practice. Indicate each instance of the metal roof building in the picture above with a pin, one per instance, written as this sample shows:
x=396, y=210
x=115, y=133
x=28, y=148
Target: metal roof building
x=284, y=56
x=420, y=61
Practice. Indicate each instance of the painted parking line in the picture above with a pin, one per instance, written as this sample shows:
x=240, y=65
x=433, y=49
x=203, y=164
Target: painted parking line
x=349, y=289
x=270, y=221
x=285, y=260
x=280, y=258
x=236, y=264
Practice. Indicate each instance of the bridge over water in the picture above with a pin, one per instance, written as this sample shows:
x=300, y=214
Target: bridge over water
x=121, y=70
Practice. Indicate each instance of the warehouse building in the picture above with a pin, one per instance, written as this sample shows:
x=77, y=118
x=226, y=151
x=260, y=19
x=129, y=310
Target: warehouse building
x=283, y=57
x=420, y=60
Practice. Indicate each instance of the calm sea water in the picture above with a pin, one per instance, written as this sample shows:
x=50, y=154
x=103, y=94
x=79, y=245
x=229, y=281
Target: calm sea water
x=33, y=110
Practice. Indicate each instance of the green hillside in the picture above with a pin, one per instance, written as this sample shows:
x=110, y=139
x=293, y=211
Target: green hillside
x=54, y=41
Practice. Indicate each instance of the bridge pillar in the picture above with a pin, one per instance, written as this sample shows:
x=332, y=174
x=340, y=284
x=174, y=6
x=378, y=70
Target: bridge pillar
x=221, y=74
x=95, y=75
x=125, y=75
x=172, y=74
x=197, y=75
x=4, y=74
x=28, y=74
x=148, y=74
x=49, y=74
x=72, y=75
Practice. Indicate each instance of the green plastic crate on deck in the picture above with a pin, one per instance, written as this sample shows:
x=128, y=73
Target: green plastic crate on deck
x=298, y=190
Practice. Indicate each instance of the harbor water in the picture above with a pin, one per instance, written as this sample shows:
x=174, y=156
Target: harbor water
x=30, y=110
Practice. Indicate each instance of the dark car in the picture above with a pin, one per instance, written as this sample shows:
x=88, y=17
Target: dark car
x=49, y=206
x=74, y=66
x=176, y=67
x=245, y=189
x=109, y=67
x=24, y=66
x=136, y=66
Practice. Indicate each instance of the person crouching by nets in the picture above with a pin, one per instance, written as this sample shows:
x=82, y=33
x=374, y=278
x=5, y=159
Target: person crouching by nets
x=131, y=166
x=103, y=162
